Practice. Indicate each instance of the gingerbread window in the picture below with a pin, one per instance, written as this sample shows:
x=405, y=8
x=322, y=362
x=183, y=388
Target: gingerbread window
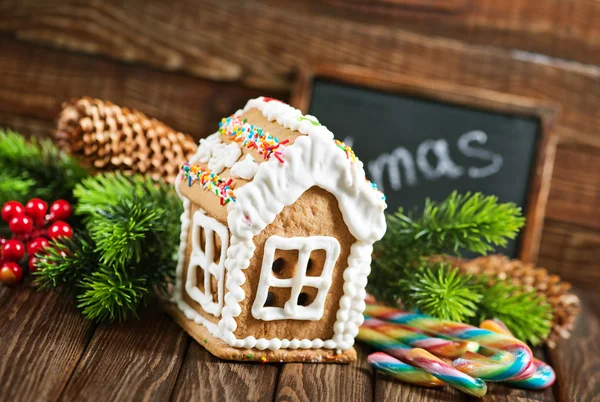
x=295, y=277
x=206, y=269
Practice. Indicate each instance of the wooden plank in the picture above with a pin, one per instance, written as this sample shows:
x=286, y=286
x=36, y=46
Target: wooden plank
x=563, y=29
x=577, y=360
x=34, y=81
x=135, y=360
x=200, y=38
x=28, y=126
x=43, y=337
x=203, y=377
x=572, y=252
x=5, y=292
x=326, y=382
x=574, y=190
x=390, y=389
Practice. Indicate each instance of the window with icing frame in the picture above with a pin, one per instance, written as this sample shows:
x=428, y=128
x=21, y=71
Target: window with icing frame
x=206, y=269
x=307, y=293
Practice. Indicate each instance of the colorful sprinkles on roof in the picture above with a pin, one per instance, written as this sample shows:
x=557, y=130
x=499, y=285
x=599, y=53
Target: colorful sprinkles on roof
x=252, y=137
x=347, y=150
x=209, y=181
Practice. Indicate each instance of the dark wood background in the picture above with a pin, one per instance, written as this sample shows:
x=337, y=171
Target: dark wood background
x=189, y=63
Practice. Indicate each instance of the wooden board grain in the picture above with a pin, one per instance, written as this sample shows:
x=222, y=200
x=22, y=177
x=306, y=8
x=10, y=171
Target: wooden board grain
x=577, y=360
x=43, y=337
x=562, y=29
x=204, y=377
x=390, y=389
x=200, y=38
x=34, y=81
x=136, y=360
x=572, y=252
x=575, y=186
x=325, y=382
x=27, y=126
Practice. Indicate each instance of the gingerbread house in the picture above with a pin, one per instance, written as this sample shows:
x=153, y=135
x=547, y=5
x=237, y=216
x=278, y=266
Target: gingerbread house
x=277, y=233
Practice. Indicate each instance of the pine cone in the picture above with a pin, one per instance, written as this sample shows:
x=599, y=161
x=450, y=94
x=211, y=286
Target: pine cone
x=565, y=304
x=108, y=137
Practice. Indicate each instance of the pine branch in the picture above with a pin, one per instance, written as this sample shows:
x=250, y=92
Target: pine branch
x=129, y=215
x=133, y=226
x=403, y=272
x=45, y=171
x=526, y=314
x=66, y=261
x=438, y=290
x=471, y=222
x=111, y=295
x=121, y=230
x=14, y=187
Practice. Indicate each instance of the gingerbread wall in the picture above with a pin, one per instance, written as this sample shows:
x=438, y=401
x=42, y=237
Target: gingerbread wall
x=315, y=213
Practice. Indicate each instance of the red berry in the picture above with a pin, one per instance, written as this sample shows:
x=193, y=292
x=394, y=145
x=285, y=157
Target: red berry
x=60, y=210
x=21, y=224
x=12, y=209
x=2, y=241
x=13, y=250
x=11, y=273
x=36, y=245
x=60, y=229
x=36, y=209
x=33, y=262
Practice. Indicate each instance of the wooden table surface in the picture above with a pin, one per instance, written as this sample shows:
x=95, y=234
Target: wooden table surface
x=51, y=353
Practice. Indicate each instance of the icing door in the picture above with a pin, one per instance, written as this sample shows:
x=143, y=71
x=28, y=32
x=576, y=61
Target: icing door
x=206, y=270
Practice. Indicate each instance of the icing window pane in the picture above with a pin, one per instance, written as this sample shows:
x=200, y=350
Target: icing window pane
x=301, y=295
x=206, y=271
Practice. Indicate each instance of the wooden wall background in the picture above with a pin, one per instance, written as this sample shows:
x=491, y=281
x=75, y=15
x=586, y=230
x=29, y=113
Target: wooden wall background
x=189, y=63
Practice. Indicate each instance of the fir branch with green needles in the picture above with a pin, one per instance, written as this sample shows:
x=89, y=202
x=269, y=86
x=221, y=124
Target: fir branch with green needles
x=127, y=251
x=404, y=272
x=35, y=168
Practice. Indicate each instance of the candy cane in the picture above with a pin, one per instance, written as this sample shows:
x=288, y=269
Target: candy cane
x=382, y=342
x=403, y=371
x=496, y=371
x=442, y=371
x=439, y=347
x=439, y=370
x=543, y=375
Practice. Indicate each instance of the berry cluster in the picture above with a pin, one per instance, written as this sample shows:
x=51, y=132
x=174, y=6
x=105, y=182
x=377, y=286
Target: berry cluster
x=32, y=225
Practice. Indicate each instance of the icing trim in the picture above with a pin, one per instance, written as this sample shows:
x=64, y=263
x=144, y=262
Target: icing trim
x=291, y=309
x=245, y=169
x=205, y=260
x=224, y=156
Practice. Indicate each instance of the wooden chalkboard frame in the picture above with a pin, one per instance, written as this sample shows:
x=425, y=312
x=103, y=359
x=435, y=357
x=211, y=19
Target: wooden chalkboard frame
x=476, y=98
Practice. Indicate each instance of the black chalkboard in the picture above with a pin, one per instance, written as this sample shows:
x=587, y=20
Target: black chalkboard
x=414, y=147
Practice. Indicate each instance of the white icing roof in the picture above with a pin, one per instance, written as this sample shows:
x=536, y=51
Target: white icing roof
x=312, y=160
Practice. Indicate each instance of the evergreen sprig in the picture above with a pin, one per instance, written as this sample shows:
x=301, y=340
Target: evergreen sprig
x=66, y=261
x=525, y=313
x=441, y=291
x=404, y=272
x=128, y=250
x=110, y=294
x=35, y=168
